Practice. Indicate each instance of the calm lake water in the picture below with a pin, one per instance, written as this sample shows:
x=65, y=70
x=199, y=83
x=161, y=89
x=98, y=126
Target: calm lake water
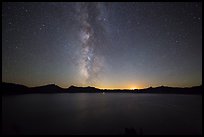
x=110, y=113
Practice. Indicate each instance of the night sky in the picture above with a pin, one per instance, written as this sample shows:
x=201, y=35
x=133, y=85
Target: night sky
x=106, y=45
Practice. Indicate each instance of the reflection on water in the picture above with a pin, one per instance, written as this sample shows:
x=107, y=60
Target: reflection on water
x=110, y=113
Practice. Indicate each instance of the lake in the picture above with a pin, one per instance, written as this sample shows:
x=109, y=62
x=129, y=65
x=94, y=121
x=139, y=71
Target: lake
x=96, y=113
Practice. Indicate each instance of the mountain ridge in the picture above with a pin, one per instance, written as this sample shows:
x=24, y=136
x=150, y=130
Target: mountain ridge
x=12, y=88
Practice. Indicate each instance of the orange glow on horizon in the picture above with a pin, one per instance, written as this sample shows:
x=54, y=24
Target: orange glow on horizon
x=121, y=88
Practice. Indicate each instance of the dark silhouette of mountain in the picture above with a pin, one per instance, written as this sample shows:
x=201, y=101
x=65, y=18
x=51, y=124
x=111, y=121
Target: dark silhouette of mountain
x=83, y=89
x=172, y=90
x=10, y=88
x=52, y=88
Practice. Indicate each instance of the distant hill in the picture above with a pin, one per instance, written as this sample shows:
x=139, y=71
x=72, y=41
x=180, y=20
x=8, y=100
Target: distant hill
x=52, y=88
x=10, y=89
x=173, y=90
x=82, y=89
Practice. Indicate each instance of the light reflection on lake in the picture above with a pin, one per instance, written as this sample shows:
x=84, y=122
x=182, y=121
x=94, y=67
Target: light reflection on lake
x=110, y=113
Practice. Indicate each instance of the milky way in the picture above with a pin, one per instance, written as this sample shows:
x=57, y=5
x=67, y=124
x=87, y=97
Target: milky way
x=90, y=64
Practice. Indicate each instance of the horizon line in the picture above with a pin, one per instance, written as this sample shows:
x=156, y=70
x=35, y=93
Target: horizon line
x=103, y=88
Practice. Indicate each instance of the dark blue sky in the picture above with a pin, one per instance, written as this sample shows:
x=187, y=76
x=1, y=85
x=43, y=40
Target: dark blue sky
x=107, y=45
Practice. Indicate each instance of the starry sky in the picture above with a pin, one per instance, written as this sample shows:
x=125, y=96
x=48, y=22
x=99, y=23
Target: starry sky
x=106, y=45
